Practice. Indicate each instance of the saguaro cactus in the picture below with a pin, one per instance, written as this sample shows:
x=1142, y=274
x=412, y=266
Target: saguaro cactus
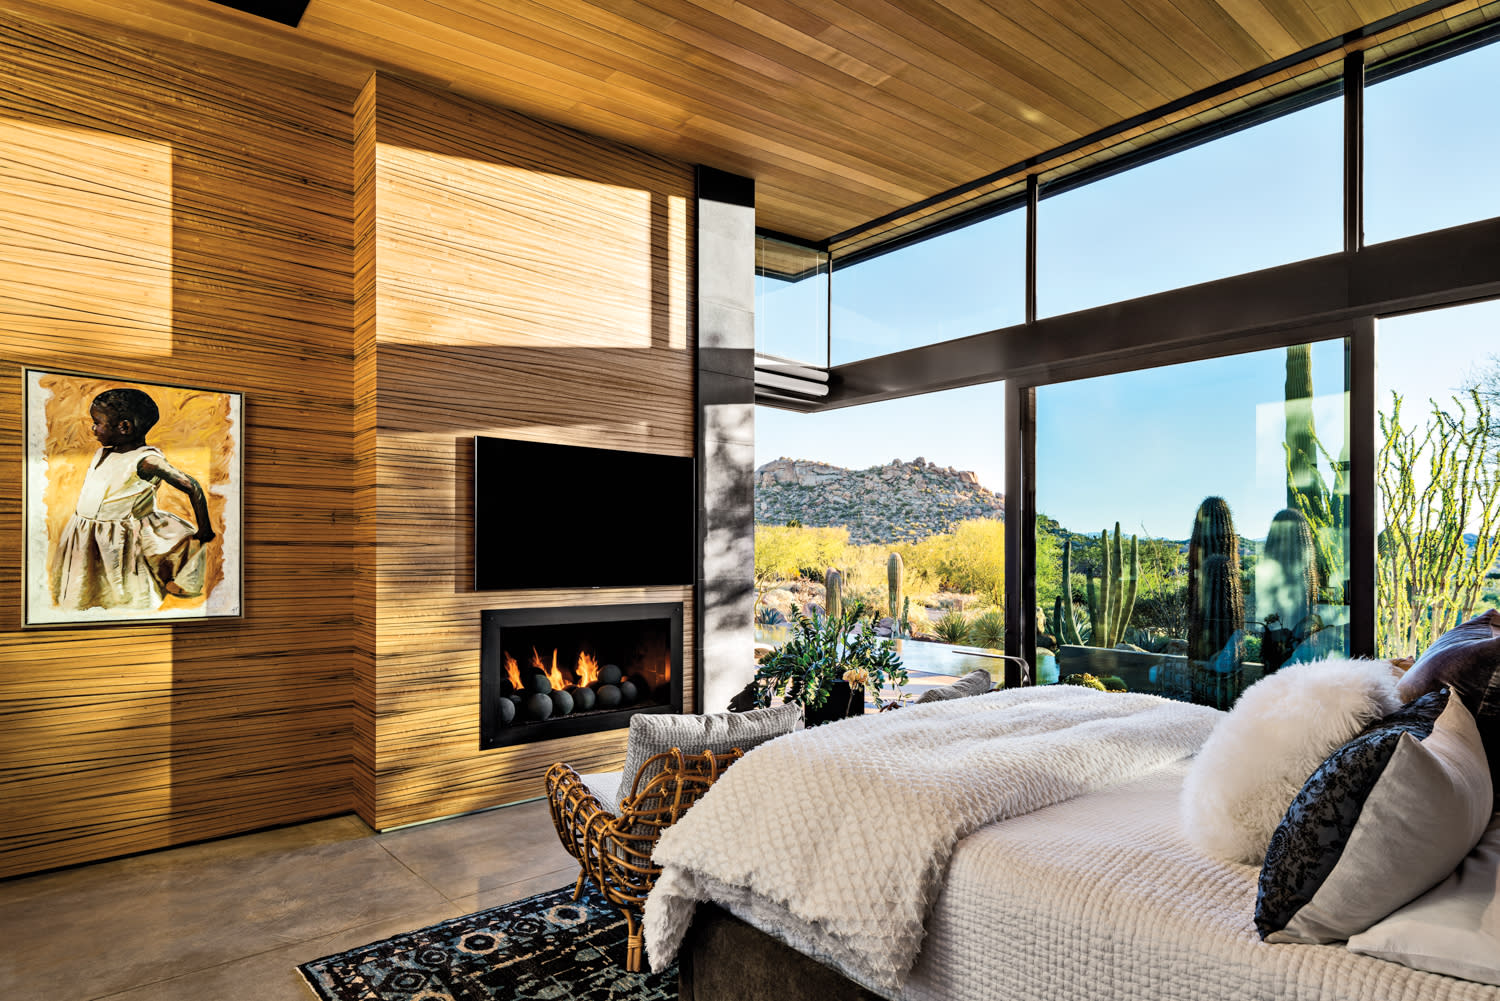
x=833, y=583
x=895, y=575
x=1216, y=598
x=1117, y=590
x=1286, y=585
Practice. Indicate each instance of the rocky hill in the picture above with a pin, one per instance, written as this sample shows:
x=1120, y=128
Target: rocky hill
x=900, y=501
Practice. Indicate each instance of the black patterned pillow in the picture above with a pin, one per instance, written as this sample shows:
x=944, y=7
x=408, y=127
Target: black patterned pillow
x=1383, y=819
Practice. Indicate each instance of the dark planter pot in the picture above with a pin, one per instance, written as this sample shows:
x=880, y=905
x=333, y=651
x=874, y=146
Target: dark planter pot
x=842, y=702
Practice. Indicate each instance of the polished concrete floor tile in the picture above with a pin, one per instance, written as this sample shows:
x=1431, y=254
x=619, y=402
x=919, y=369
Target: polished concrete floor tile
x=231, y=919
x=273, y=975
x=481, y=852
x=140, y=924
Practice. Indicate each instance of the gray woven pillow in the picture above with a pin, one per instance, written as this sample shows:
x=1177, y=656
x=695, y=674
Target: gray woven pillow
x=656, y=733
x=973, y=683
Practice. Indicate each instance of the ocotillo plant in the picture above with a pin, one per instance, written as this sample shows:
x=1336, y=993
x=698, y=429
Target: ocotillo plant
x=833, y=583
x=1117, y=590
x=1286, y=585
x=895, y=574
x=1216, y=607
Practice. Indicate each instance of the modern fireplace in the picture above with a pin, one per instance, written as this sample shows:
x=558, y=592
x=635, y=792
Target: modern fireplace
x=558, y=672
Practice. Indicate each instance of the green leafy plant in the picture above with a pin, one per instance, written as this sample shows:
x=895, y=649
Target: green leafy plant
x=832, y=648
x=988, y=629
x=954, y=627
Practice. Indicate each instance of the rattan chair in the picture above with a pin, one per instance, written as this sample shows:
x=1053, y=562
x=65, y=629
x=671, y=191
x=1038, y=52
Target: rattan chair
x=614, y=849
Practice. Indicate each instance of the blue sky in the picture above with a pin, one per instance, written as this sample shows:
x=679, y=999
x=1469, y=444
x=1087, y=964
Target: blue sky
x=1144, y=448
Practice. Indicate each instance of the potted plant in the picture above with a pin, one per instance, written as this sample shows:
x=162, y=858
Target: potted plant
x=827, y=663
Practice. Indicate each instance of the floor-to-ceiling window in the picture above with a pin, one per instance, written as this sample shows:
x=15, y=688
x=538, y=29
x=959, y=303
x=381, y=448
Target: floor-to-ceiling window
x=1438, y=473
x=1191, y=528
x=1298, y=448
x=898, y=505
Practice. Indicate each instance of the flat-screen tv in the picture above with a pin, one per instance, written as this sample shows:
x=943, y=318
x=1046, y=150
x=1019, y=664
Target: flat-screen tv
x=555, y=516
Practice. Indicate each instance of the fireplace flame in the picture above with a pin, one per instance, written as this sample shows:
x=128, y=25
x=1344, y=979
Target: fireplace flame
x=514, y=671
x=666, y=667
x=587, y=669
x=552, y=673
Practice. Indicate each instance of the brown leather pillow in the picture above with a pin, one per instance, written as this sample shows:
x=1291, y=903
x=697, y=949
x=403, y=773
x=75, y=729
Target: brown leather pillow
x=1467, y=659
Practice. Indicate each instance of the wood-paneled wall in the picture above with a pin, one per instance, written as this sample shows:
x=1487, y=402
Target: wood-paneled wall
x=517, y=279
x=169, y=214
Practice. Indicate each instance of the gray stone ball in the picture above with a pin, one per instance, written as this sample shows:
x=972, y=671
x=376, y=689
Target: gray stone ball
x=539, y=705
x=608, y=696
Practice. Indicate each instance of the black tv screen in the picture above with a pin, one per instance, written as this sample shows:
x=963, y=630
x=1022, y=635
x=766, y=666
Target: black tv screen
x=550, y=516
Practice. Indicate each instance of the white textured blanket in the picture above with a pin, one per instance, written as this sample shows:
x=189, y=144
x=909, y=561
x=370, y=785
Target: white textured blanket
x=844, y=831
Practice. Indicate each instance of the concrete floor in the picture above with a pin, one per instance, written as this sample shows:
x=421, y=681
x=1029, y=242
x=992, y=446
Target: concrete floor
x=231, y=919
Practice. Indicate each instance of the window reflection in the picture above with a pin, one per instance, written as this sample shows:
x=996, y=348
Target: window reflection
x=1192, y=525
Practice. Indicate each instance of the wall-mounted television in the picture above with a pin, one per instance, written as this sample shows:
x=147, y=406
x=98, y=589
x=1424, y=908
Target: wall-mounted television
x=563, y=516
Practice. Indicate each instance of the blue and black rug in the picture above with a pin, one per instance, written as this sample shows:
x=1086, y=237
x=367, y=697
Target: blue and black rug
x=548, y=946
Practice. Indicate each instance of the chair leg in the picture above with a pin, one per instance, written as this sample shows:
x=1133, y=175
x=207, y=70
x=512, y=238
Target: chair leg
x=578, y=886
x=633, y=943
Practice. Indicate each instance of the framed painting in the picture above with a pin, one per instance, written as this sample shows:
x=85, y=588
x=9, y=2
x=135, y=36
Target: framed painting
x=132, y=501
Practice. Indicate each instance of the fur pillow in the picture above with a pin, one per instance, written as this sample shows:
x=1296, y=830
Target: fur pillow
x=1282, y=728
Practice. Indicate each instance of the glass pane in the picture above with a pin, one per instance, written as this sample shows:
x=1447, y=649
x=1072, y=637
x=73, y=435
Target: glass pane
x=1432, y=138
x=918, y=479
x=1225, y=479
x=1439, y=402
x=962, y=282
x=1267, y=195
x=791, y=301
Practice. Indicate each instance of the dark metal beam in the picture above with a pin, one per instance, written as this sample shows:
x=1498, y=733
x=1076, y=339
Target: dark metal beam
x=1243, y=313
x=1362, y=588
x=1020, y=533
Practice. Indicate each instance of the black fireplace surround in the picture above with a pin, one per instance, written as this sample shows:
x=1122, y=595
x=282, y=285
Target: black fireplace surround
x=568, y=671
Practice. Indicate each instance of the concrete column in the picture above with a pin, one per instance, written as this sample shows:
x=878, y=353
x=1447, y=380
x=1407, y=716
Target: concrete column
x=725, y=435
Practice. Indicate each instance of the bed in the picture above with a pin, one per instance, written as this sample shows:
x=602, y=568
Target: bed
x=1086, y=888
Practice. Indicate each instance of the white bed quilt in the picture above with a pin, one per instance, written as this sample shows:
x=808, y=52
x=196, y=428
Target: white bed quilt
x=1103, y=898
x=840, y=836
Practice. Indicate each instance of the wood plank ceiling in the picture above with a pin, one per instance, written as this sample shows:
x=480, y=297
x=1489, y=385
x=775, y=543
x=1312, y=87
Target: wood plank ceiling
x=842, y=110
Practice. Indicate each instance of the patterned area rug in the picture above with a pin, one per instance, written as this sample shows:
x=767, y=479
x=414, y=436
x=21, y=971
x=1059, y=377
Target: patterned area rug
x=544, y=947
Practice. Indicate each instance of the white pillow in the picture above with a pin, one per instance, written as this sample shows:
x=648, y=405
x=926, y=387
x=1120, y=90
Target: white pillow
x=1454, y=928
x=1282, y=728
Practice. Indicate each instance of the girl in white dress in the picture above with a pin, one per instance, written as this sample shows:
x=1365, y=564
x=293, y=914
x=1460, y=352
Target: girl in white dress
x=118, y=550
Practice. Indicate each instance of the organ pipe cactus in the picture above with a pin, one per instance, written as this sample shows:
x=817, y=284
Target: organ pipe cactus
x=1111, y=612
x=1067, y=621
x=895, y=573
x=1216, y=598
x=833, y=583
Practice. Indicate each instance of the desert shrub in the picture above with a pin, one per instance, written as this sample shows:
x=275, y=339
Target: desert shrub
x=953, y=628
x=988, y=629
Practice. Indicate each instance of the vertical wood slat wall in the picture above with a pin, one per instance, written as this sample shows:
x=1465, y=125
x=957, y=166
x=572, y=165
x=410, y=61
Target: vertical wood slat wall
x=515, y=279
x=171, y=215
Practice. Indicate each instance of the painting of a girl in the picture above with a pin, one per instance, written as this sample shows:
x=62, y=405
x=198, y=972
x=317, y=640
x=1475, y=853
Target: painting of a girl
x=105, y=544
